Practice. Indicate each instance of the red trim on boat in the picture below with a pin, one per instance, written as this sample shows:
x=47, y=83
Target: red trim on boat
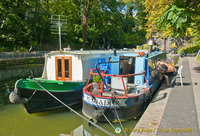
x=89, y=87
x=108, y=97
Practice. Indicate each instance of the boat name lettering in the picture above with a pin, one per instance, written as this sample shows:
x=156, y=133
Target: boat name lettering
x=99, y=101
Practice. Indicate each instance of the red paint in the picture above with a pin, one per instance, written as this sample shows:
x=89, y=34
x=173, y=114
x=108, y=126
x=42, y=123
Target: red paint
x=102, y=85
x=89, y=87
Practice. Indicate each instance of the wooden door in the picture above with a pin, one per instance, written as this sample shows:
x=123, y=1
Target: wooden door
x=63, y=68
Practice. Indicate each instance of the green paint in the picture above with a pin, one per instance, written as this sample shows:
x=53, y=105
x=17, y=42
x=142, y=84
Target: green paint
x=50, y=85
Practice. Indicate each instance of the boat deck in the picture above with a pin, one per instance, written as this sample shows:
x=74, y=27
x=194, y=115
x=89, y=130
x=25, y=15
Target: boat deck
x=131, y=89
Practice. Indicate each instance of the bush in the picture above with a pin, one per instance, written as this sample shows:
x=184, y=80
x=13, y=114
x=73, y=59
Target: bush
x=138, y=47
x=2, y=49
x=190, y=49
x=145, y=46
x=20, y=49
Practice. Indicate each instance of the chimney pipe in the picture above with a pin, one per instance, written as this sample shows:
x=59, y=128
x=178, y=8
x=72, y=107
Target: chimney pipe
x=115, y=52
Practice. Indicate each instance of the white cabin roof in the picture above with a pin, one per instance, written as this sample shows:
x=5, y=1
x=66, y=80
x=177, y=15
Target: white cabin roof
x=84, y=52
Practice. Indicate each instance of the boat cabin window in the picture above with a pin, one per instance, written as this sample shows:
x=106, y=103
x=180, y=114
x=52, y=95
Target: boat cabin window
x=63, y=68
x=66, y=68
x=59, y=67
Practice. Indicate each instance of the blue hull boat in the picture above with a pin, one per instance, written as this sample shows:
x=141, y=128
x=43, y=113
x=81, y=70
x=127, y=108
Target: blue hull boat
x=127, y=84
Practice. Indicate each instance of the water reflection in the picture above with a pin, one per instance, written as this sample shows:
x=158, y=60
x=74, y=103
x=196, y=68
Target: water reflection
x=16, y=121
x=86, y=129
x=9, y=75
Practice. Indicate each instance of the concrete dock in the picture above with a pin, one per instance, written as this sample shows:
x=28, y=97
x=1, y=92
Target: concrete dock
x=174, y=110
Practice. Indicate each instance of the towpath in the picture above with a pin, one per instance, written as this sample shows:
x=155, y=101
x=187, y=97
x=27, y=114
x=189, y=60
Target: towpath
x=176, y=110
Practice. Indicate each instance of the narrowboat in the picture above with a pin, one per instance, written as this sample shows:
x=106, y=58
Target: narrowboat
x=64, y=75
x=127, y=84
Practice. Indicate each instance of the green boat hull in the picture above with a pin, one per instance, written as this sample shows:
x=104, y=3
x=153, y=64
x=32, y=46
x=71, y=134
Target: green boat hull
x=38, y=100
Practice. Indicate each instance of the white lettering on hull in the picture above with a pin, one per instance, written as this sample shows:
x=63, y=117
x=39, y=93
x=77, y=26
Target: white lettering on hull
x=103, y=102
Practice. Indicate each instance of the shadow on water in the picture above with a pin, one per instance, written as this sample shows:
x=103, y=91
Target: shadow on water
x=76, y=107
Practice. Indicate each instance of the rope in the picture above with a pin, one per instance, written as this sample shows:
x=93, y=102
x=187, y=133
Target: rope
x=109, y=122
x=118, y=118
x=31, y=96
x=120, y=122
x=105, y=115
x=117, y=102
x=102, y=129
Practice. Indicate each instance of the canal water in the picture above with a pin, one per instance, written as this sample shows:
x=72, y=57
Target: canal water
x=15, y=121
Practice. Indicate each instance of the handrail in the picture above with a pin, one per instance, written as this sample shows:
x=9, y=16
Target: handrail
x=121, y=76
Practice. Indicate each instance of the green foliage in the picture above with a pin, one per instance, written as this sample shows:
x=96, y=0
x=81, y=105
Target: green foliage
x=190, y=49
x=110, y=24
x=96, y=79
x=20, y=49
x=23, y=22
x=2, y=49
x=155, y=10
x=177, y=19
x=138, y=47
x=173, y=18
x=31, y=61
x=145, y=46
x=130, y=40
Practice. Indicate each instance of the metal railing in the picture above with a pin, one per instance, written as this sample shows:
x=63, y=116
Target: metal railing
x=110, y=75
x=13, y=55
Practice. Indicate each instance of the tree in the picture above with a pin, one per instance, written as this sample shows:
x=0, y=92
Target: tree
x=85, y=22
x=23, y=23
x=14, y=30
x=155, y=10
x=175, y=21
x=173, y=18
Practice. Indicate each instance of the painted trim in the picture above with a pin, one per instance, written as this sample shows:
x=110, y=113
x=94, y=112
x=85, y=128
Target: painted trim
x=88, y=92
x=63, y=78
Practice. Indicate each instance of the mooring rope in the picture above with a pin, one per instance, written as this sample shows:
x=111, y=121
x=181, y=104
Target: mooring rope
x=120, y=122
x=119, y=119
x=102, y=129
x=105, y=116
x=31, y=96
